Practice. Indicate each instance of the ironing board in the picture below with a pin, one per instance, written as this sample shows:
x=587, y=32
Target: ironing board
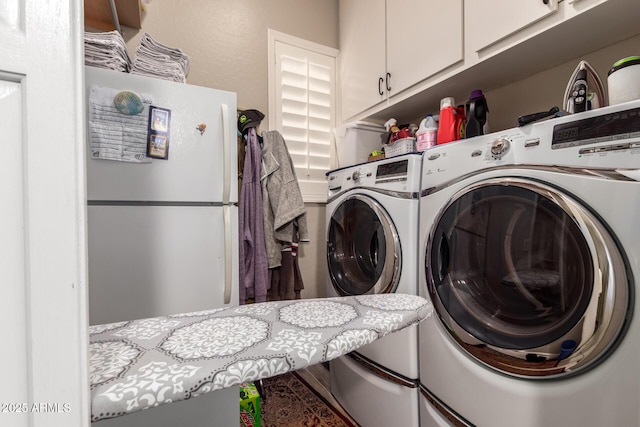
x=139, y=364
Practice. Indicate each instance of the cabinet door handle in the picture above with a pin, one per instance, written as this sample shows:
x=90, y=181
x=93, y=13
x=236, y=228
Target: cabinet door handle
x=380, y=86
x=388, y=82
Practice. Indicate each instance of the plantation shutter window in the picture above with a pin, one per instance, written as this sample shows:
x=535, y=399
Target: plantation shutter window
x=304, y=100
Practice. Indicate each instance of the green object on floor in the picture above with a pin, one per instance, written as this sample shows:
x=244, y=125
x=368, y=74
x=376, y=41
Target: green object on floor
x=249, y=405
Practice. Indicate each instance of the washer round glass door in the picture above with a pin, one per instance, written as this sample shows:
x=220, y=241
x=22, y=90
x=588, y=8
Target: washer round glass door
x=363, y=248
x=525, y=279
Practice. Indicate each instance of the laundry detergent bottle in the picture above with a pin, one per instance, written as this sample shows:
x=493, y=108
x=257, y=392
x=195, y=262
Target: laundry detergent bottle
x=449, y=126
x=461, y=121
x=427, y=133
x=476, y=112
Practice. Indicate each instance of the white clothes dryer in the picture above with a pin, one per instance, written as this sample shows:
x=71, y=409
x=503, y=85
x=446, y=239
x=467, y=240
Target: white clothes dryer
x=372, y=248
x=532, y=267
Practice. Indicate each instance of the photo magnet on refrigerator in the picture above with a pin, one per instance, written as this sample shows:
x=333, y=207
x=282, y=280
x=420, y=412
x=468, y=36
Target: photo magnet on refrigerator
x=159, y=130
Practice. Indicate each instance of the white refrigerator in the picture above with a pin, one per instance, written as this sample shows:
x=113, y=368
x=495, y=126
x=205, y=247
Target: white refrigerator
x=163, y=233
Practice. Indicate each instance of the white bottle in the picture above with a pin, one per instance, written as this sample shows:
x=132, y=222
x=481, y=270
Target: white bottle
x=427, y=133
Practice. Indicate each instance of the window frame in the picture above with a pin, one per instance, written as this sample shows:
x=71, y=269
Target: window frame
x=275, y=37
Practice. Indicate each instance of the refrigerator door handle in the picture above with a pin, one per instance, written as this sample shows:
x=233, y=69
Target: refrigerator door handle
x=228, y=248
x=226, y=154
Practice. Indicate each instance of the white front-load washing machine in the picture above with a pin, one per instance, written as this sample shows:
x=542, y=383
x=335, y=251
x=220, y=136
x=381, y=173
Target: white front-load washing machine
x=372, y=248
x=532, y=267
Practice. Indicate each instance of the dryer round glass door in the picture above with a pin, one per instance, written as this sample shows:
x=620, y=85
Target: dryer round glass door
x=526, y=279
x=363, y=248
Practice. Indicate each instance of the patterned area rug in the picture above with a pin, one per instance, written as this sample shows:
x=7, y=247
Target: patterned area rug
x=291, y=402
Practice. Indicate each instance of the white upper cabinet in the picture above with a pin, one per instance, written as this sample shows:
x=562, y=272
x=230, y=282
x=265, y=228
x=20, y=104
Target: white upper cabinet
x=362, y=55
x=423, y=38
x=487, y=22
x=389, y=46
x=400, y=57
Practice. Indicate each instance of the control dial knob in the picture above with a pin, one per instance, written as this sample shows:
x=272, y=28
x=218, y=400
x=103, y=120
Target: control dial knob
x=355, y=176
x=499, y=147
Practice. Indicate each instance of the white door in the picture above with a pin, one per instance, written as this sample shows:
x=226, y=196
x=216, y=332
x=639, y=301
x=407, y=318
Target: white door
x=43, y=306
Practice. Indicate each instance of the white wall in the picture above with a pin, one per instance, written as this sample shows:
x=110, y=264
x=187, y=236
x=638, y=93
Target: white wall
x=226, y=41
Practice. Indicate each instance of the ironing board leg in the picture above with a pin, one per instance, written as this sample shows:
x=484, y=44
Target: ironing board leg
x=260, y=389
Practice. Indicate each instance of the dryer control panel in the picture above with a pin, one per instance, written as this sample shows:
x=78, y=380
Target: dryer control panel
x=395, y=174
x=604, y=138
x=600, y=141
x=611, y=127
